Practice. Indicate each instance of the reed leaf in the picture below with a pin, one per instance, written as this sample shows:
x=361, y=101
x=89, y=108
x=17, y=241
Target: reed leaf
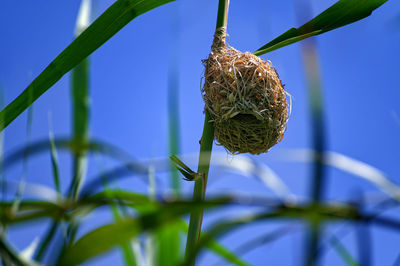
x=342, y=13
x=101, y=30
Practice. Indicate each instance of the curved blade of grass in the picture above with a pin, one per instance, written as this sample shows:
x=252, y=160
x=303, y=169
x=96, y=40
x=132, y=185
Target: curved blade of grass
x=95, y=146
x=346, y=164
x=101, y=30
x=342, y=13
x=261, y=240
x=217, y=248
x=325, y=212
x=32, y=190
x=122, y=231
x=343, y=252
x=214, y=246
x=10, y=257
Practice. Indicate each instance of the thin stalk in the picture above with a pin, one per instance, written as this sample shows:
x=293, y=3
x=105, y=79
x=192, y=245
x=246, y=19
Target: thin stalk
x=196, y=217
x=318, y=180
x=173, y=97
x=312, y=71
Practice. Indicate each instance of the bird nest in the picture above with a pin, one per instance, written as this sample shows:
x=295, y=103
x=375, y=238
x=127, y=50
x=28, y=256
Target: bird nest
x=244, y=97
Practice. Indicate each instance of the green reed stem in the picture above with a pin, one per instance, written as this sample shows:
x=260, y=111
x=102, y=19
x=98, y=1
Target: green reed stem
x=196, y=217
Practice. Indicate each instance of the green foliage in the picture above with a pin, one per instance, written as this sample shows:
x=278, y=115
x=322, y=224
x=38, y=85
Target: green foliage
x=101, y=30
x=342, y=13
x=159, y=219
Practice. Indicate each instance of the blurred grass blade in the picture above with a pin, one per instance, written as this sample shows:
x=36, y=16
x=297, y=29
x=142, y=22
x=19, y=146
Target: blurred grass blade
x=243, y=165
x=45, y=241
x=2, y=172
x=101, y=240
x=124, y=230
x=80, y=104
x=343, y=252
x=365, y=171
x=54, y=158
x=217, y=248
x=10, y=257
x=80, y=109
x=173, y=92
x=248, y=167
x=261, y=240
x=29, y=251
x=317, y=185
x=165, y=241
x=95, y=146
x=83, y=19
x=127, y=248
x=101, y=30
x=31, y=190
x=346, y=164
x=168, y=252
x=342, y=13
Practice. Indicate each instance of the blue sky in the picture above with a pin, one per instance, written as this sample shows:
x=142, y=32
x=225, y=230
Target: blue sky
x=128, y=83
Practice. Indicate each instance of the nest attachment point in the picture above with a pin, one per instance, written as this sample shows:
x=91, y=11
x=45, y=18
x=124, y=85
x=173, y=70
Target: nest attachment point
x=245, y=99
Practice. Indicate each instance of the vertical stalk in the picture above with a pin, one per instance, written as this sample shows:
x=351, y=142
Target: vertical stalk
x=315, y=97
x=80, y=105
x=310, y=59
x=173, y=96
x=196, y=217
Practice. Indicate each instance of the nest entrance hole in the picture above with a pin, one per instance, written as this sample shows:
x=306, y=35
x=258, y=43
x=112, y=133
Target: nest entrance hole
x=245, y=118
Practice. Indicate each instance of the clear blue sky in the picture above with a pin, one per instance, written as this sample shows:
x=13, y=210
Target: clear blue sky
x=128, y=83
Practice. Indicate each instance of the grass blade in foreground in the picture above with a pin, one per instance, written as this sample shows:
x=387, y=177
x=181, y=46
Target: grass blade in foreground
x=93, y=244
x=340, y=14
x=217, y=248
x=101, y=30
x=80, y=104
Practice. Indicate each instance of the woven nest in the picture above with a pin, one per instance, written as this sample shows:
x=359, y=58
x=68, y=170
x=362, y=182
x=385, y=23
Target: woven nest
x=245, y=99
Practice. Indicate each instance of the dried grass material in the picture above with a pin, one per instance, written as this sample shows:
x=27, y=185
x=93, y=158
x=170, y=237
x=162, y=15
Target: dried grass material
x=245, y=98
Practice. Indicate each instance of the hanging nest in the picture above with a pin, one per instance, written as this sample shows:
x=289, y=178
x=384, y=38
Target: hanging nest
x=245, y=99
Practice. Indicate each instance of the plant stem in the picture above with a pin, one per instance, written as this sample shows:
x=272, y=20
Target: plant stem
x=196, y=217
x=315, y=96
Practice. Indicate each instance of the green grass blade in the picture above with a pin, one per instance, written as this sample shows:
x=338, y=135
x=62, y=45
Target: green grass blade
x=173, y=95
x=45, y=241
x=93, y=243
x=80, y=103
x=168, y=252
x=217, y=248
x=347, y=164
x=54, y=160
x=48, y=236
x=101, y=30
x=2, y=175
x=342, y=13
x=343, y=252
x=127, y=252
x=95, y=146
x=10, y=257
